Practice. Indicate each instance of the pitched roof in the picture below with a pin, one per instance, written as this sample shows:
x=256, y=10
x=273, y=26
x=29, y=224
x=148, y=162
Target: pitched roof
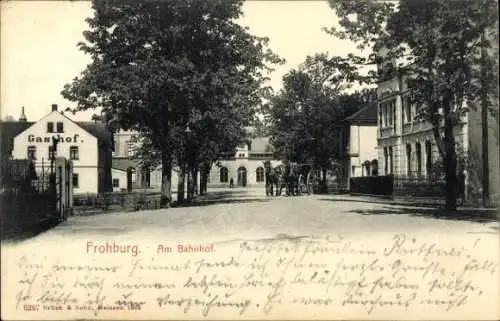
x=366, y=115
x=260, y=145
x=123, y=163
x=98, y=130
x=9, y=130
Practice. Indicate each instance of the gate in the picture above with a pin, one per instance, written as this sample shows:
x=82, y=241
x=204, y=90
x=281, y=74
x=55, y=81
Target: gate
x=34, y=195
x=64, y=188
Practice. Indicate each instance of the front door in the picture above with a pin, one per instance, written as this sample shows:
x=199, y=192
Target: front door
x=242, y=176
x=130, y=174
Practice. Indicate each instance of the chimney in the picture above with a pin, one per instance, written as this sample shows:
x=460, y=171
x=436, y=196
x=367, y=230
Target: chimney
x=23, y=116
x=54, y=107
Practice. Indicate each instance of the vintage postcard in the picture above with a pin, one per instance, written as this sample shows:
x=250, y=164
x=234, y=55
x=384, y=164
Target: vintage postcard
x=249, y=160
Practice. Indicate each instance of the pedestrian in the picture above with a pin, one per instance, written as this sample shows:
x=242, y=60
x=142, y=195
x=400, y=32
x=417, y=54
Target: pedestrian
x=231, y=183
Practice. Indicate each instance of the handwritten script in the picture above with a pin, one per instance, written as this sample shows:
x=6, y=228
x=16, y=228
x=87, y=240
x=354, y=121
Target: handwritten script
x=269, y=278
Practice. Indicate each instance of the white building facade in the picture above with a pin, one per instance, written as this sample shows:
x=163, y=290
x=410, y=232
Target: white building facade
x=359, y=138
x=88, y=145
x=246, y=167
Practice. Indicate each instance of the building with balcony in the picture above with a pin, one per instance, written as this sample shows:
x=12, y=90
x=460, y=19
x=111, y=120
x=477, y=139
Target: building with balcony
x=406, y=145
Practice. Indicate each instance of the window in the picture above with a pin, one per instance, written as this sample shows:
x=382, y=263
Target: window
x=386, y=161
x=130, y=148
x=52, y=152
x=408, y=159
x=32, y=152
x=407, y=110
x=50, y=127
x=391, y=167
x=241, y=155
x=428, y=157
x=260, y=174
x=387, y=113
x=223, y=175
x=60, y=127
x=75, y=180
x=380, y=116
x=393, y=117
x=418, y=151
x=116, y=182
x=73, y=153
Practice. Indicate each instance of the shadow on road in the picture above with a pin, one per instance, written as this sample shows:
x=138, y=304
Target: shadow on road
x=25, y=233
x=435, y=213
x=222, y=200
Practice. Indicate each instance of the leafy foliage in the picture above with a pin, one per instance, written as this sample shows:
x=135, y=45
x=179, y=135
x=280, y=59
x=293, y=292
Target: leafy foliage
x=444, y=50
x=306, y=115
x=160, y=67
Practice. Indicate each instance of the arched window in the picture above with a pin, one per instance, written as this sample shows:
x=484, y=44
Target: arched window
x=374, y=167
x=366, y=165
x=408, y=159
x=428, y=157
x=223, y=175
x=260, y=174
x=418, y=155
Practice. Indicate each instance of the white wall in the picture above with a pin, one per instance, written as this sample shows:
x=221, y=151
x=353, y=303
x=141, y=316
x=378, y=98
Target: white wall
x=87, y=180
x=86, y=143
x=363, y=143
x=73, y=135
x=233, y=165
x=122, y=179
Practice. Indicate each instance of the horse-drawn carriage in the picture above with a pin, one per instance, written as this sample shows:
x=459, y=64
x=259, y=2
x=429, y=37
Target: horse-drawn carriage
x=295, y=178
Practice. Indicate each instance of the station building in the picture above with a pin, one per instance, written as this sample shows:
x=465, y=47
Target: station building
x=88, y=145
x=245, y=167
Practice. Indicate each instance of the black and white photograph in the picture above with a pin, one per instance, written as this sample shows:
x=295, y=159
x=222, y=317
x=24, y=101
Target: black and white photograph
x=249, y=160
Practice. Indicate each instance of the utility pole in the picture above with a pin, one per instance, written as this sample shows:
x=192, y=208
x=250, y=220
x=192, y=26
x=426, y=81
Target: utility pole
x=484, y=116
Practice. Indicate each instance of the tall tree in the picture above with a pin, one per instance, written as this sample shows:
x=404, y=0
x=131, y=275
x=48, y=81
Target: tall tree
x=306, y=113
x=439, y=48
x=160, y=66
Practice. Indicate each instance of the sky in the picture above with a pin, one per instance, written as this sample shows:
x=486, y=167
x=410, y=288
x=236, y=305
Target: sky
x=39, y=54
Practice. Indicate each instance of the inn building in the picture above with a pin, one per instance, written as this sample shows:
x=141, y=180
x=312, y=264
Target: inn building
x=87, y=144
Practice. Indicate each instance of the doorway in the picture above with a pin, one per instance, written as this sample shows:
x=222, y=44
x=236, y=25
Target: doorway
x=242, y=176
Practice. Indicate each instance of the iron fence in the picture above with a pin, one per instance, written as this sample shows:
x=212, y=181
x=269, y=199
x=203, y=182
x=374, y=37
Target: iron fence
x=418, y=186
x=28, y=195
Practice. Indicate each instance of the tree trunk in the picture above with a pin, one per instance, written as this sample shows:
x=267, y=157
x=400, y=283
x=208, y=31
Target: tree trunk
x=180, y=184
x=203, y=182
x=195, y=181
x=450, y=158
x=166, y=180
x=189, y=184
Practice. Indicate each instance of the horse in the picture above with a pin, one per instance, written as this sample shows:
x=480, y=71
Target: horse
x=291, y=178
x=274, y=177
